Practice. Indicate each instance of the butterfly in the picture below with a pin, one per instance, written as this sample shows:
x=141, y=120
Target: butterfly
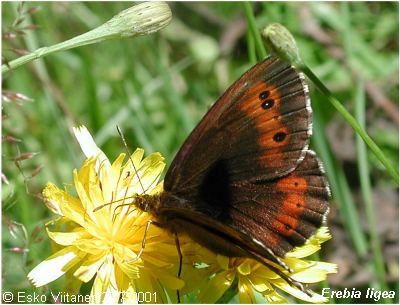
x=245, y=183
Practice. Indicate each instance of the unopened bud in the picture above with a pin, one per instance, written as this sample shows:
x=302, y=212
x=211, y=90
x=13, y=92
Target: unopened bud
x=141, y=19
x=280, y=41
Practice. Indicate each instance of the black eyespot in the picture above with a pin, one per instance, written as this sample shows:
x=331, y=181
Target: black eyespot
x=263, y=95
x=279, y=137
x=287, y=227
x=298, y=205
x=296, y=184
x=267, y=104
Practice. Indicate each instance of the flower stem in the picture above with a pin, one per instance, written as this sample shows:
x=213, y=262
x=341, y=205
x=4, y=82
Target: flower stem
x=353, y=123
x=363, y=170
x=141, y=19
x=253, y=28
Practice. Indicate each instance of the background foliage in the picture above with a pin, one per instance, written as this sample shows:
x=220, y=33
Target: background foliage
x=156, y=88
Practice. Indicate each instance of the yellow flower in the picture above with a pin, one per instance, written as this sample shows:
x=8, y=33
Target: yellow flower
x=99, y=234
x=104, y=244
x=254, y=280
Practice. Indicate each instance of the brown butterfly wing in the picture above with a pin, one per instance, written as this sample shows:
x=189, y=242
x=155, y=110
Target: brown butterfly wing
x=251, y=219
x=285, y=212
x=260, y=127
x=231, y=176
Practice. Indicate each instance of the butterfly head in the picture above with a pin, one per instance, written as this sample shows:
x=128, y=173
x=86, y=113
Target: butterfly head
x=145, y=202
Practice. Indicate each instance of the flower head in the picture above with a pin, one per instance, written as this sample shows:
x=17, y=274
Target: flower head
x=104, y=243
x=101, y=235
x=254, y=281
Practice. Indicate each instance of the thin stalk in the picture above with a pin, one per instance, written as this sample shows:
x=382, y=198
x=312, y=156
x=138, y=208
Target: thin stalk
x=353, y=123
x=253, y=29
x=141, y=19
x=339, y=186
x=363, y=170
x=251, y=48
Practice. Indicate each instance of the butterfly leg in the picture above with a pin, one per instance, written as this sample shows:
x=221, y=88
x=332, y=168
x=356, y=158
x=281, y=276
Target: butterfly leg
x=178, y=247
x=149, y=222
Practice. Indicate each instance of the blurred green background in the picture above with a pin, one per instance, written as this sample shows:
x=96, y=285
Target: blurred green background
x=157, y=87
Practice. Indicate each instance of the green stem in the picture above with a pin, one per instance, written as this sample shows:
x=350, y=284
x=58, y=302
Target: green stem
x=253, y=28
x=251, y=50
x=81, y=40
x=352, y=121
x=365, y=182
x=141, y=19
x=340, y=188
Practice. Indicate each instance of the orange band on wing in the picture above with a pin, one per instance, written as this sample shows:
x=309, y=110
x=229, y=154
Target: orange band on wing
x=288, y=216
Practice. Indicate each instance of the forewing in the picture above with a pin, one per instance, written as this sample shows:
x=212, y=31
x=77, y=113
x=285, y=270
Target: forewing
x=257, y=130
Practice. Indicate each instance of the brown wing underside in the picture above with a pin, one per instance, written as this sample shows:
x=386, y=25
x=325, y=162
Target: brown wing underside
x=259, y=128
x=256, y=217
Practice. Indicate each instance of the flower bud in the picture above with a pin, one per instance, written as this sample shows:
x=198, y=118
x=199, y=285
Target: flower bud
x=280, y=41
x=141, y=19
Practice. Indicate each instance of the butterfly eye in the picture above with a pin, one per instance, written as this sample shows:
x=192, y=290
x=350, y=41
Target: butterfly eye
x=267, y=104
x=287, y=226
x=279, y=137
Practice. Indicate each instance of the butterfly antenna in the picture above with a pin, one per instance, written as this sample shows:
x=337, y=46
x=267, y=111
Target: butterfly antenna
x=129, y=154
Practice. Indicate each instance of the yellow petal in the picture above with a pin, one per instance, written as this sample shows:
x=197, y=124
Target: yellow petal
x=104, y=286
x=89, y=267
x=304, y=251
x=121, y=278
x=149, y=171
x=168, y=278
x=67, y=238
x=315, y=298
x=111, y=183
x=61, y=203
x=215, y=287
x=312, y=245
x=323, y=234
x=55, y=266
x=298, y=264
x=148, y=283
x=244, y=268
x=275, y=298
x=69, y=206
x=129, y=296
x=157, y=189
x=259, y=283
x=315, y=273
x=246, y=294
x=51, y=195
x=127, y=261
x=92, y=245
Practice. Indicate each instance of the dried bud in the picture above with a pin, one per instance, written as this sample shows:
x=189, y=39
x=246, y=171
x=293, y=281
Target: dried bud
x=25, y=156
x=280, y=41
